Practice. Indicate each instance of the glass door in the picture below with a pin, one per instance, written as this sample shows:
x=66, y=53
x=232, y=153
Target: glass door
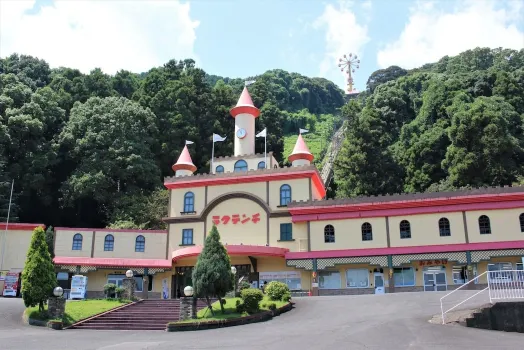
x=440, y=281
x=429, y=282
x=379, y=283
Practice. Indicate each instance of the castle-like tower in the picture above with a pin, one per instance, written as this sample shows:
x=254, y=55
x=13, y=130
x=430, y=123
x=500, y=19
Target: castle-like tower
x=245, y=114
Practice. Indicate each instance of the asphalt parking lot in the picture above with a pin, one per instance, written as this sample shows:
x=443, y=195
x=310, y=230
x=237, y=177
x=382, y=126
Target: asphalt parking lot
x=391, y=321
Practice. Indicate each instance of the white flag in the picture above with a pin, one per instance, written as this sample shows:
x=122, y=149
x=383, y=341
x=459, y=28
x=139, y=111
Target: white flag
x=303, y=131
x=189, y=142
x=263, y=133
x=218, y=138
x=249, y=82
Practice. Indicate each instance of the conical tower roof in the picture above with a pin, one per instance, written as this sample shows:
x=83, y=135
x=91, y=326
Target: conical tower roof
x=245, y=105
x=184, y=162
x=301, y=151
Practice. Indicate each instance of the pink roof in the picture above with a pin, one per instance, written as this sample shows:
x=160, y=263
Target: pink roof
x=248, y=250
x=111, y=262
x=184, y=162
x=301, y=151
x=245, y=105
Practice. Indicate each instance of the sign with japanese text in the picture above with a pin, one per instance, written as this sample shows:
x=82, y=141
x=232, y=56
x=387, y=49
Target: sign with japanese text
x=236, y=219
x=432, y=262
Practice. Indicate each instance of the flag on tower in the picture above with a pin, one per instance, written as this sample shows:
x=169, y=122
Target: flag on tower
x=218, y=138
x=262, y=133
x=189, y=142
x=303, y=131
x=249, y=82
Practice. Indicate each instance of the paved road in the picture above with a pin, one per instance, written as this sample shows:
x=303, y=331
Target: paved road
x=391, y=321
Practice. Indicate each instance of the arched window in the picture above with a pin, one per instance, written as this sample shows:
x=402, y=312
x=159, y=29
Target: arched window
x=521, y=218
x=329, y=234
x=219, y=169
x=77, y=241
x=240, y=165
x=484, y=225
x=261, y=165
x=140, y=244
x=444, y=227
x=109, y=243
x=367, y=232
x=405, y=229
x=285, y=194
x=189, y=202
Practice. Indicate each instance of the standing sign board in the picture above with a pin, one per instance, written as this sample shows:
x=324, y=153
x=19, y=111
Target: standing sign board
x=78, y=287
x=11, y=284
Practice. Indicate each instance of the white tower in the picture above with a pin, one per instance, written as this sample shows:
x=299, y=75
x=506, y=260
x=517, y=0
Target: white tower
x=301, y=154
x=184, y=165
x=245, y=114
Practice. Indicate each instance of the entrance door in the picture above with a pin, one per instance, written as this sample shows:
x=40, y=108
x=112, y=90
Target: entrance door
x=435, y=281
x=379, y=283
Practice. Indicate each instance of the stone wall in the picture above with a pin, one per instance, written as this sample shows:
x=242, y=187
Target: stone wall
x=504, y=316
x=56, y=307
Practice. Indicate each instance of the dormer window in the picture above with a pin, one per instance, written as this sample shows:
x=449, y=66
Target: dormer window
x=219, y=169
x=261, y=165
x=240, y=166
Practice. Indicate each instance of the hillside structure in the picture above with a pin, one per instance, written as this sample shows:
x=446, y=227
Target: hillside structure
x=277, y=225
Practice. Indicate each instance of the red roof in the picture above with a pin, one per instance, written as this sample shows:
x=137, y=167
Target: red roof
x=111, y=262
x=301, y=151
x=184, y=162
x=20, y=226
x=245, y=105
x=251, y=250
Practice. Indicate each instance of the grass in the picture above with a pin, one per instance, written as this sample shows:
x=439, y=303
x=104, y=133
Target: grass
x=230, y=309
x=78, y=310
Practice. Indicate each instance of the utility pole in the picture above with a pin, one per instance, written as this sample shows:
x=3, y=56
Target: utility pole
x=7, y=225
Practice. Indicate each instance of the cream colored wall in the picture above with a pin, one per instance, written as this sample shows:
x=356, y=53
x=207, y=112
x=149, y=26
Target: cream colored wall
x=17, y=244
x=425, y=230
x=175, y=234
x=299, y=191
x=348, y=234
x=248, y=233
x=299, y=234
x=482, y=266
x=64, y=243
x=124, y=245
x=252, y=163
x=177, y=200
x=96, y=280
x=258, y=189
x=505, y=225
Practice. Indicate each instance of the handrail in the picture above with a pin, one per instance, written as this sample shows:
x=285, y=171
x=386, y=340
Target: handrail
x=462, y=302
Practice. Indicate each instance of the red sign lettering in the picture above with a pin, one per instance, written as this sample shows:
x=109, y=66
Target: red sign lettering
x=235, y=219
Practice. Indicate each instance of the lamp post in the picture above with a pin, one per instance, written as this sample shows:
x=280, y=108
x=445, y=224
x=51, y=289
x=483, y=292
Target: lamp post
x=234, y=272
x=129, y=285
x=56, y=305
x=187, y=311
x=349, y=63
x=58, y=292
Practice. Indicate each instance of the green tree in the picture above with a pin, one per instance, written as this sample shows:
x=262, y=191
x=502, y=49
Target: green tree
x=50, y=240
x=38, y=277
x=212, y=272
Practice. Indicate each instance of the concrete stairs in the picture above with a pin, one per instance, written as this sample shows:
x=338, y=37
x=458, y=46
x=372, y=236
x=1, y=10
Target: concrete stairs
x=148, y=314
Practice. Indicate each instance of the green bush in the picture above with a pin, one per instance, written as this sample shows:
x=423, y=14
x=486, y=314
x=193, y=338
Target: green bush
x=110, y=289
x=252, y=297
x=286, y=297
x=276, y=290
x=119, y=291
x=240, y=307
x=272, y=306
x=244, y=285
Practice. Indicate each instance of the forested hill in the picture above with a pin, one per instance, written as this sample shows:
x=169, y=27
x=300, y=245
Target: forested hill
x=87, y=150
x=450, y=124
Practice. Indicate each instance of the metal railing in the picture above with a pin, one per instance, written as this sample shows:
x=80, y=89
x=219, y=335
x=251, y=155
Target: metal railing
x=501, y=285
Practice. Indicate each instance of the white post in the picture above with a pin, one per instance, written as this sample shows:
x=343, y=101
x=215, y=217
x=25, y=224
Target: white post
x=212, y=155
x=265, y=150
x=7, y=225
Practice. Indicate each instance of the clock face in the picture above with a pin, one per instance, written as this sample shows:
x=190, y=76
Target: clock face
x=241, y=133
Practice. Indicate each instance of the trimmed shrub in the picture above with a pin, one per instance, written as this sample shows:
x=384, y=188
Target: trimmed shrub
x=110, y=289
x=276, y=290
x=240, y=308
x=272, y=306
x=252, y=298
x=286, y=297
x=244, y=285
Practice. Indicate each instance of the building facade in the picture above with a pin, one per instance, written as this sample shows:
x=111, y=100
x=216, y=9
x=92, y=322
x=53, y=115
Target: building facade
x=277, y=225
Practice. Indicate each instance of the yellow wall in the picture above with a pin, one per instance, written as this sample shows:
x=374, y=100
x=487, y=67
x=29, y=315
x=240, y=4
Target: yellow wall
x=97, y=279
x=505, y=225
x=252, y=163
x=17, y=244
x=258, y=189
x=348, y=234
x=299, y=191
x=425, y=230
x=175, y=234
x=124, y=245
x=177, y=200
x=64, y=243
x=299, y=234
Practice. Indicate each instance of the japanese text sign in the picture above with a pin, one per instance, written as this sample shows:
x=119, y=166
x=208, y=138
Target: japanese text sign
x=236, y=219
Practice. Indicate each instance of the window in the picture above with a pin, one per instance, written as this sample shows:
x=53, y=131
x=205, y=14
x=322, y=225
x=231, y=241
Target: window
x=261, y=165
x=405, y=229
x=189, y=202
x=357, y=278
x=367, y=232
x=187, y=236
x=500, y=272
x=109, y=243
x=119, y=280
x=77, y=241
x=240, y=165
x=285, y=194
x=329, y=279
x=404, y=277
x=484, y=225
x=286, y=232
x=444, y=228
x=329, y=234
x=521, y=218
x=140, y=244
x=140, y=283
x=219, y=169
x=291, y=278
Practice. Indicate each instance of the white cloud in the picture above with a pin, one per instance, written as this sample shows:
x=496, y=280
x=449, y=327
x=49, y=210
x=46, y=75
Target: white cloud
x=432, y=33
x=112, y=35
x=343, y=35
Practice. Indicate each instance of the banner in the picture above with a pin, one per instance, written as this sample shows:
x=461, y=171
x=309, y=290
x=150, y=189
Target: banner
x=11, y=284
x=165, y=290
x=3, y=273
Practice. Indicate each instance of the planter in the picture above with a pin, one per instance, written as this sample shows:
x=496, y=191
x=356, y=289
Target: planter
x=201, y=325
x=57, y=325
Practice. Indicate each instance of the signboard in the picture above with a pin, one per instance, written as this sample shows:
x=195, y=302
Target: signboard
x=314, y=285
x=432, y=262
x=165, y=290
x=78, y=287
x=236, y=219
x=3, y=273
x=278, y=275
x=11, y=284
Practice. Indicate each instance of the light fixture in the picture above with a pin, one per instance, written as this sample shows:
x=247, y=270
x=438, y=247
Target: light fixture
x=58, y=292
x=234, y=270
x=188, y=291
x=129, y=273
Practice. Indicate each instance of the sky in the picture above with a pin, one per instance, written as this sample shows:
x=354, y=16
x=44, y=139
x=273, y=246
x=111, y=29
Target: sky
x=242, y=38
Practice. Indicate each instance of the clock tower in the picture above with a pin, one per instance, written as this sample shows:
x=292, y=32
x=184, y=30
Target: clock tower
x=245, y=114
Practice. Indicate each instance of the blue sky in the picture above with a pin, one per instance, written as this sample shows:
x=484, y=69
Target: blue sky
x=240, y=38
